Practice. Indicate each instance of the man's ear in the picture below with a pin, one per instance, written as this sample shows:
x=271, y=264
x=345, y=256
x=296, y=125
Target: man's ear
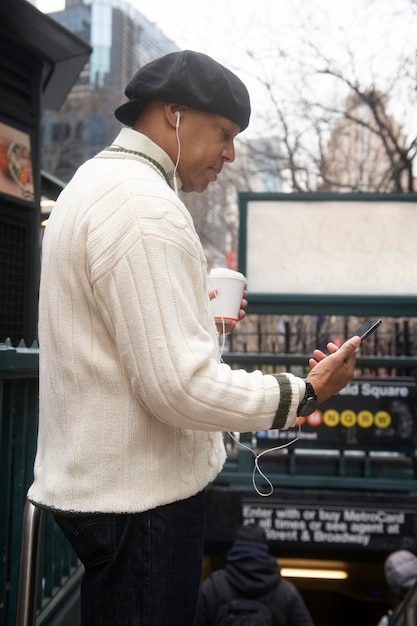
x=173, y=113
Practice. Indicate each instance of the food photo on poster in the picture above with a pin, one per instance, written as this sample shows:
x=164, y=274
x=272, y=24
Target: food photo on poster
x=16, y=173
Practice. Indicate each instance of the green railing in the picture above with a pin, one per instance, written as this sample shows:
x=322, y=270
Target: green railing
x=58, y=574
x=59, y=571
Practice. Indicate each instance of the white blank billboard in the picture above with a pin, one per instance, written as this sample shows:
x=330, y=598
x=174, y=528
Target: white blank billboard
x=350, y=247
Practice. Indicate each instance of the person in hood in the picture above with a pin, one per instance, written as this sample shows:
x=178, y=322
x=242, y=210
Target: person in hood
x=252, y=573
x=400, y=570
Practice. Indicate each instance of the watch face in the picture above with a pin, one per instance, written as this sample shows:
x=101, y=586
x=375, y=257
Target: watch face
x=310, y=405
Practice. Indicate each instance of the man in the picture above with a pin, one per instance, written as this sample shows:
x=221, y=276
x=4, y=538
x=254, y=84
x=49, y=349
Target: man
x=133, y=394
x=249, y=585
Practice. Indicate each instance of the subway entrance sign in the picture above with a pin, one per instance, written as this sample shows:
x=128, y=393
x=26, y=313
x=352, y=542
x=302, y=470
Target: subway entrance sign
x=352, y=526
x=369, y=413
x=301, y=522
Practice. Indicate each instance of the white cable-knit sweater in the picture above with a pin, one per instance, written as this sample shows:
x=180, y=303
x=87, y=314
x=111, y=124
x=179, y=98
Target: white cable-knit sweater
x=133, y=396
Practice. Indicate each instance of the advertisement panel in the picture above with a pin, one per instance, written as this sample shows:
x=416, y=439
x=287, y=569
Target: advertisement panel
x=16, y=171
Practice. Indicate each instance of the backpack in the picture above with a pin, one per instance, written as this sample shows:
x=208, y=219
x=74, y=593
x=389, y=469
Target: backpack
x=239, y=611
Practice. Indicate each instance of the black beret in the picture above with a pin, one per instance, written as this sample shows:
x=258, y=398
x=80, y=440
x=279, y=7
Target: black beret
x=189, y=78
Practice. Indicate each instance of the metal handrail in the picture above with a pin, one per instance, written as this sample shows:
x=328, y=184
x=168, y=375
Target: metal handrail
x=29, y=565
x=405, y=613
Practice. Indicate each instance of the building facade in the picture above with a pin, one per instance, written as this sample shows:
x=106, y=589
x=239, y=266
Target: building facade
x=122, y=40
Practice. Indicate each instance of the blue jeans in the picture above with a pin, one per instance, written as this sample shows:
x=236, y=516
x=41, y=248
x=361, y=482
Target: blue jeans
x=141, y=569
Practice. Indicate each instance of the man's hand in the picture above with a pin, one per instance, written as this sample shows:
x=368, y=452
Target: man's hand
x=330, y=373
x=227, y=328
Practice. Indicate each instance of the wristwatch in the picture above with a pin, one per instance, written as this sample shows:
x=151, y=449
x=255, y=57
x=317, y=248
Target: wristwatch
x=309, y=403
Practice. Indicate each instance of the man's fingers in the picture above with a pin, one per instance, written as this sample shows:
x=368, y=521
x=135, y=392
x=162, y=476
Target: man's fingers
x=319, y=355
x=347, y=349
x=351, y=345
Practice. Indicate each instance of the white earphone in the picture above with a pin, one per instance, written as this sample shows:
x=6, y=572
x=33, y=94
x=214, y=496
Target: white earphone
x=178, y=116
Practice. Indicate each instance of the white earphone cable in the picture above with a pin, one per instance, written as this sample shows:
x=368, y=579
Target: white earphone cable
x=257, y=456
x=256, y=467
x=178, y=116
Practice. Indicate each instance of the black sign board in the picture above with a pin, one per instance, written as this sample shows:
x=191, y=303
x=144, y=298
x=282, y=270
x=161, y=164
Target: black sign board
x=326, y=525
x=323, y=521
x=377, y=413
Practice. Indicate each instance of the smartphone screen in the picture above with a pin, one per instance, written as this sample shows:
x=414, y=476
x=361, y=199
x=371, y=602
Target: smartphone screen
x=367, y=328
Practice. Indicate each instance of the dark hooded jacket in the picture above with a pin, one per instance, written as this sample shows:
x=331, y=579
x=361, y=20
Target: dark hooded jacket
x=251, y=572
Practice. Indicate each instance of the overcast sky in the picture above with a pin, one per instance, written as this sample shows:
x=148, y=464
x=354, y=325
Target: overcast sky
x=376, y=32
x=220, y=26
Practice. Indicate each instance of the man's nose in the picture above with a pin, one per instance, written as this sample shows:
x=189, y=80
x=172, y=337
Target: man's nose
x=228, y=153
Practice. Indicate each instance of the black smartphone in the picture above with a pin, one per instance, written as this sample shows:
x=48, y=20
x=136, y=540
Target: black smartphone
x=367, y=328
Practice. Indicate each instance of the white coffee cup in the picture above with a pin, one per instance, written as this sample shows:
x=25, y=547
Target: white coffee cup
x=229, y=286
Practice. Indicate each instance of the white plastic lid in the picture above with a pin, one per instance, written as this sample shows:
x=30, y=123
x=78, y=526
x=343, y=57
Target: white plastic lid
x=224, y=272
